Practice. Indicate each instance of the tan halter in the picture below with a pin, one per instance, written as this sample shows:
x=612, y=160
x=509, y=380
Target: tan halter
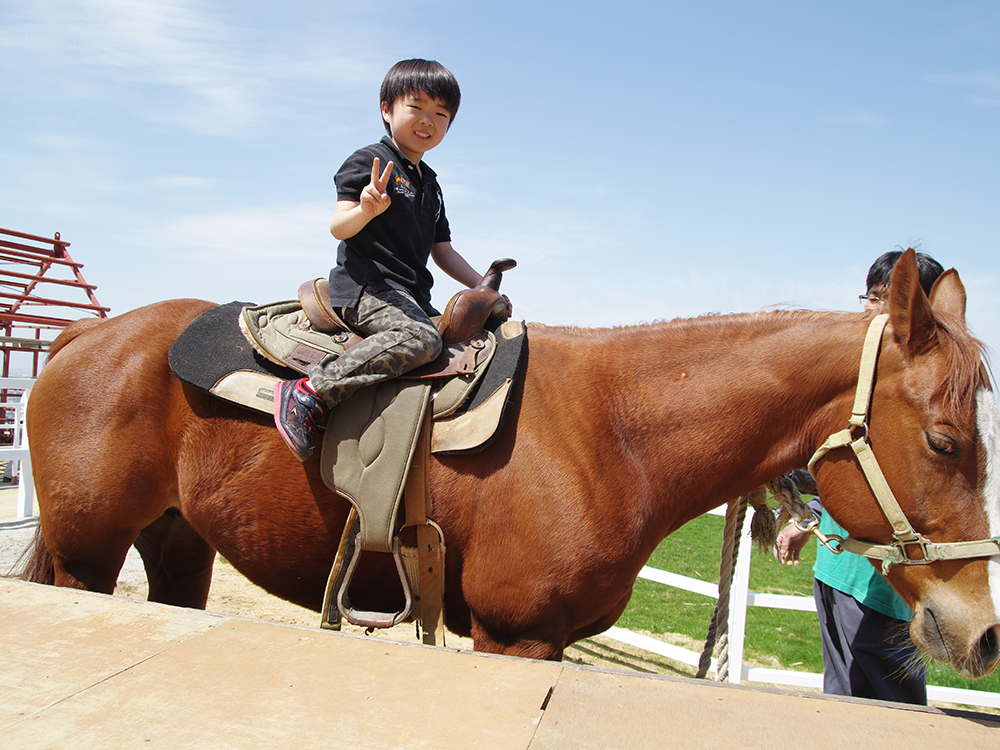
x=907, y=547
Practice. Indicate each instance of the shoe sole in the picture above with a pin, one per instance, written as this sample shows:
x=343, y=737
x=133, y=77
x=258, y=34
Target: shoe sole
x=281, y=429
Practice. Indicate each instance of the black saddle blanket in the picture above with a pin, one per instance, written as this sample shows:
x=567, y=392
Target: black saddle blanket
x=213, y=347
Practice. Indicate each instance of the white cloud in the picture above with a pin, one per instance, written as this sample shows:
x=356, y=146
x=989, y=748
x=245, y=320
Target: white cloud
x=177, y=63
x=271, y=233
x=981, y=86
x=256, y=254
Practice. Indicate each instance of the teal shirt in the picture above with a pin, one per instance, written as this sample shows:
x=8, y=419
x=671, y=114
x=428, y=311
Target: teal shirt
x=854, y=575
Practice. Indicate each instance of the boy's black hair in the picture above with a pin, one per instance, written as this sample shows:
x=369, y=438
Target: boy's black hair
x=420, y=76
x=881, y=270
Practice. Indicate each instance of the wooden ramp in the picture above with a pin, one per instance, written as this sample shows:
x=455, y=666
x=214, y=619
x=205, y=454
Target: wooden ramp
x=80, y=670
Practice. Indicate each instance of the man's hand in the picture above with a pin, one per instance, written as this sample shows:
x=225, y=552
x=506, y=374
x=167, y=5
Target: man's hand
x=374, y=198
x=789, y=544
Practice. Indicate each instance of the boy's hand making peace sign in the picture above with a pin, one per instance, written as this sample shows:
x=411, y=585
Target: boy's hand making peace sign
x=374, y=198
x=350, y=217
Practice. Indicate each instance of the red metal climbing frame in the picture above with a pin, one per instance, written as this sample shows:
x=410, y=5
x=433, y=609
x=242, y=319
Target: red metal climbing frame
x=38, y=283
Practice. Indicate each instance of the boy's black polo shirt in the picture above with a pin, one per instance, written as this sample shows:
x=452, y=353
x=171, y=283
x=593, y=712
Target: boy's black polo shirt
x=393, y=248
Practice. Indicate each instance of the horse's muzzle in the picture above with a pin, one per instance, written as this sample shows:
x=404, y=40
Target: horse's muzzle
x=972, y=659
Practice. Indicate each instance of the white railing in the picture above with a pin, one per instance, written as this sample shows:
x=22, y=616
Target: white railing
x=740, y=599
x=16, y=454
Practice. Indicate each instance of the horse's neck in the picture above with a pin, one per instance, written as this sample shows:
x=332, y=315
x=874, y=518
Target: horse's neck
x=713, y=407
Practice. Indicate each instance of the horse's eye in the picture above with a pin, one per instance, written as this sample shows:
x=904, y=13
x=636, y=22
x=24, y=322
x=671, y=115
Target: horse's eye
x=941, y=445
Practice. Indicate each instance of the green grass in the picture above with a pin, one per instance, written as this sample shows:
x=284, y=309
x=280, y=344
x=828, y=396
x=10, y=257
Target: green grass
x=774, y=638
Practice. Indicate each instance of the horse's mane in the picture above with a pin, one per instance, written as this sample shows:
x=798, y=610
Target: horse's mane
x=968, y=365
x=706, y=323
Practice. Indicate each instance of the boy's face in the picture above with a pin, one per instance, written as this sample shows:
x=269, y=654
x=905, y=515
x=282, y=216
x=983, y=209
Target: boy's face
x=418, y=123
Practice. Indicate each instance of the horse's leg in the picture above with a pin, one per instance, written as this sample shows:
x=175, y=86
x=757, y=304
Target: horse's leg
x=88, y=543
x=178, y=562
x=81, y=567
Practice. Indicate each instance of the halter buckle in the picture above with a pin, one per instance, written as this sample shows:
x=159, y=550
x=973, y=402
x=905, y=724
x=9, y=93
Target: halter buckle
x=926, y=548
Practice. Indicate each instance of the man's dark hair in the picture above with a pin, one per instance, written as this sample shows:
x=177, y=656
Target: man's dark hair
x=420, y=76
x=881, y=270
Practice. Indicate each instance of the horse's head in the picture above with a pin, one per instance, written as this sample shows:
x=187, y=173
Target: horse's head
x=933, y=428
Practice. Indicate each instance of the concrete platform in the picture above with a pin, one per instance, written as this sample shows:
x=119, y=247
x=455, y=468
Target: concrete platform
x=82, y=670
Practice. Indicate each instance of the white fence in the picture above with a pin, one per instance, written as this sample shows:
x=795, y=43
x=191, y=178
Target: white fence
x=740, y=599
x=12, y=408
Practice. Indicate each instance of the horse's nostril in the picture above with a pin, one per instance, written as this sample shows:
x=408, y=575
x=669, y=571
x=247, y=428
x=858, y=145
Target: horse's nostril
x=989, y=646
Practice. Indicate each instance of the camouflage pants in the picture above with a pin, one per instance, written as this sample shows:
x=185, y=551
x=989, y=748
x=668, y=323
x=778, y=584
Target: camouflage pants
x=399, y=337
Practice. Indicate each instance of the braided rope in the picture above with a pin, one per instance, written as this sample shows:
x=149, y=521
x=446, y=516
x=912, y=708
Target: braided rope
x=718, y=629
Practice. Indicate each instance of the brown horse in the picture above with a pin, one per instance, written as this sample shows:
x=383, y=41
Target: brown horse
x=616, y=438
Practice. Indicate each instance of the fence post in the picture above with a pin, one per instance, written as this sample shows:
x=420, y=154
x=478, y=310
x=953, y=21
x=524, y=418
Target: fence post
x=738, y=594
x=26, y=482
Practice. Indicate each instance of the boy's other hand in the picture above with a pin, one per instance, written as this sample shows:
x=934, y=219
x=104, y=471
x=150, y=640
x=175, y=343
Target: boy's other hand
x=374, y=198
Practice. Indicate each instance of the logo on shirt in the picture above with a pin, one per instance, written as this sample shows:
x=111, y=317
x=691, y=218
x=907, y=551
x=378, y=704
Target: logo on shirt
x=403, y=186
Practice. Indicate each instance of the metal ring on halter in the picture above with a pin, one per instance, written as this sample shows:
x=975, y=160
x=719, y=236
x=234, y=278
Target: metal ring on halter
x=928, y=551
x=864, y=426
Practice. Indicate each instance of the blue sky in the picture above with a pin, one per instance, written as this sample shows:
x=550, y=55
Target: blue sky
x=640, y=160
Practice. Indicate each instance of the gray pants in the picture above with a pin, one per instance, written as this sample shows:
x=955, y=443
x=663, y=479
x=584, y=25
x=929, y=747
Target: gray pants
x=399, y=337
x=865, y=653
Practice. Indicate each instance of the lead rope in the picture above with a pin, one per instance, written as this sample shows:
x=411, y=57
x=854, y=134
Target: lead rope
x=718, y=629
x=763, y=531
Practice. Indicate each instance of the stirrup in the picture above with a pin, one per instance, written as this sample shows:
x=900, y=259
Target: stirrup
x=373, y=619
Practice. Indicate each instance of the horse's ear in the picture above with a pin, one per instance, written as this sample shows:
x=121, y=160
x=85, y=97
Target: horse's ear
x=948, y=294
x=910, y=313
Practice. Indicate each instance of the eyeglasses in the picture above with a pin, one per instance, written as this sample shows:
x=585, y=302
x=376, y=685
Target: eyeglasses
x=869, y=298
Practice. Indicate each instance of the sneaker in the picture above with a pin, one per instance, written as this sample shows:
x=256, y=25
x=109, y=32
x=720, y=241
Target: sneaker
x=297, y=414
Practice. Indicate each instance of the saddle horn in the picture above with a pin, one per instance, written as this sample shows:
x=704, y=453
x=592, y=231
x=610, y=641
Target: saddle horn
x=492, y=277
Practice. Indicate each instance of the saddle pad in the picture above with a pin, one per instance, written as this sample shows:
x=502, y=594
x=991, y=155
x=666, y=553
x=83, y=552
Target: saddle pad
x=213, y=356
x=367, y=450
x=475, y=422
